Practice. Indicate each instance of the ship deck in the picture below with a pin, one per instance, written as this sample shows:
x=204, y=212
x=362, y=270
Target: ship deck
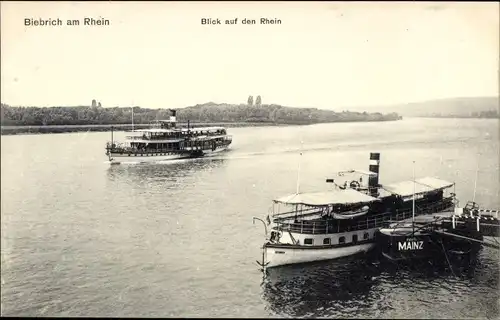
x=488, y=225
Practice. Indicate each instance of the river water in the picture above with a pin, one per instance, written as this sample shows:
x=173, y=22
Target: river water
x=83, y=238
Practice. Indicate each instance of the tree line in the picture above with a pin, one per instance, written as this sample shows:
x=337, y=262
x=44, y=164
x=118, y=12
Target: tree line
x=208, y=112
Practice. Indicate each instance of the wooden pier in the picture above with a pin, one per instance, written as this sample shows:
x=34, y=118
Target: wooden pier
x=455, y=233
x=487, y=225
x=466, y=226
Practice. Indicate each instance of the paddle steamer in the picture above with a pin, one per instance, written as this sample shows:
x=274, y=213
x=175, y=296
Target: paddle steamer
x=344, y=221
x=165, y=141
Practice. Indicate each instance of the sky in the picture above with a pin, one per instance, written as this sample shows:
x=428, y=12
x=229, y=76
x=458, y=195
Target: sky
x=326, y=55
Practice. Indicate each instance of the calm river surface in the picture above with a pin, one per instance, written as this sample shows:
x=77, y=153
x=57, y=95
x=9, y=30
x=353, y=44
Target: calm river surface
x=83, y=238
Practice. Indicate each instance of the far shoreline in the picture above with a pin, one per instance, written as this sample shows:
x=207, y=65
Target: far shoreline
x=53, y=129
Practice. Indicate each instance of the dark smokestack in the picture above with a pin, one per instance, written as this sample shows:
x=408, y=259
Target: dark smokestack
x=173, y=118
x=374, y=167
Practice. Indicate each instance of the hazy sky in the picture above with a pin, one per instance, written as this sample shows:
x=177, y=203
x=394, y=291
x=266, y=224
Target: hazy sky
x=325, y=55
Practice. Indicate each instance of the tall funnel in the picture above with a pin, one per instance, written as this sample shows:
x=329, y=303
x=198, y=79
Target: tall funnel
x=374, y=167
x=173, y=118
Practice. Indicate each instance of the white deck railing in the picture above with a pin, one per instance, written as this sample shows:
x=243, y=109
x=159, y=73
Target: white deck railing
x=372, y=221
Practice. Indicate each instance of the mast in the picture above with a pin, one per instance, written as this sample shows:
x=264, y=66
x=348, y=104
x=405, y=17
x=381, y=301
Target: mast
x=298, y=176
x=112, y=144
x=298, y=170
x=132, y=117
x=413, y=201
x=298, y=180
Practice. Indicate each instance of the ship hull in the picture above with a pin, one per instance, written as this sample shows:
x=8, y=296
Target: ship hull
x=280, y=255
x=401, y=244
x=117, y=158
x=410, y=246
x=291, y=248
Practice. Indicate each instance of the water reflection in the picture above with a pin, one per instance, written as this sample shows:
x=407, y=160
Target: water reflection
x=170, y=171
x=368, y=286
x=456, y=268
x=320, y=289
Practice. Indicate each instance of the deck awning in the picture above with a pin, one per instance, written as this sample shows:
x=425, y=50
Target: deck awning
x=162, y=130
x=337, y=196
x=422, y=185
x=366, y=173
x=435, y=183
x=206, y=138
x=139, y=140
x=156, y=130
x=362, y=172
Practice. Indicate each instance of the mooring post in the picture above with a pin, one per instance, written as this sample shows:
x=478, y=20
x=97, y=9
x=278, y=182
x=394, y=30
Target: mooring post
x=453, y=221
x=477, y=223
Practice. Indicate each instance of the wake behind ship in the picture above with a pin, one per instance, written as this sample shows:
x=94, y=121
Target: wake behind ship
x=165, y=141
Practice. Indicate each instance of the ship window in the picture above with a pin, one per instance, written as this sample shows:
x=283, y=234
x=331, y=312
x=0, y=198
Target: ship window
x=326, y=241
x=341, y=240
x=308, y=241
x=366, y=236
x=354, y=238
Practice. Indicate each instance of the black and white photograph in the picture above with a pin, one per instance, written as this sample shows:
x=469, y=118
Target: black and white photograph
x=250, y=159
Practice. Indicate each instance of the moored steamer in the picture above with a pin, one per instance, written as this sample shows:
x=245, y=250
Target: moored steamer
x=344, y=221
x=165, y=141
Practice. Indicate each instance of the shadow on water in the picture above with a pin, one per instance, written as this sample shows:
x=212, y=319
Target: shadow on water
x=172, y=170
x=457, y=268
x=357, y=287
x=314, y=289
